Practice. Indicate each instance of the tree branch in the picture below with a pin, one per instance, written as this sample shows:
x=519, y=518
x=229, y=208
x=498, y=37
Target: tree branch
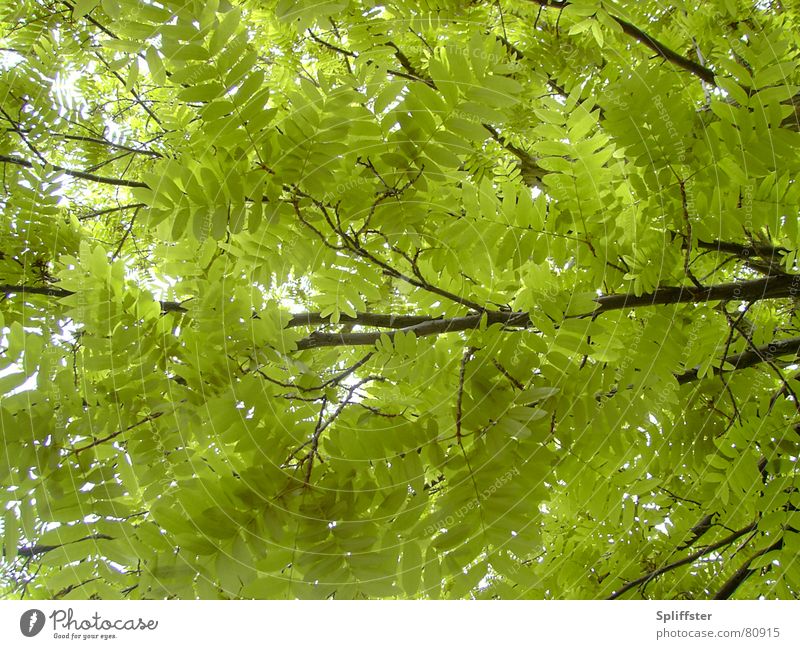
x=34, y=550
x=779, y=286
x=322, y=425
x=109, y=210
x=362, y=319
x=119, y=182
x=682, y=562
x=744, y=572
x=404, y=61
x=775, y=286
x=106, y=143
x=700, y=71
x=750, y=291
x=529, y=168
x=54, y=291
x=331, y=46
x=116, y=434
x=744, y=250
x=426, y=328
x=763, y=354
x=352, y=243
x=460, y=394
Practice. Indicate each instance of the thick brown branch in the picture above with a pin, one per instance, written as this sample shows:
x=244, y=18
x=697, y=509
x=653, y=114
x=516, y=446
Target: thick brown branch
x=428, y=325
x=331, y=46
x=34, y=550
x=119, y=182
x=54, y=291
x=531, y=171
x=744, y=250
x=682, y=562
x=747, y=291
x=409, y=67
x=666, y=53
x=698, y=531
x=763, y=354
x=362, y=319
x=645, y=39
x=744, y=572
x=427, y=328
x=51, y=291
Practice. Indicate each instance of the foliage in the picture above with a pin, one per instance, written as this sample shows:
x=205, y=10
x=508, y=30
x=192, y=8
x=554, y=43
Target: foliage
x=434, y=300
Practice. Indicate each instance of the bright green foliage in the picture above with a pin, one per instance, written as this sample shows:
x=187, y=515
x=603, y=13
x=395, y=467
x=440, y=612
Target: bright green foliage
x=416, y=300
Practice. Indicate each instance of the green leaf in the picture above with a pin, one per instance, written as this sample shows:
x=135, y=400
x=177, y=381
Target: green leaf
x=10, y=534
x=155, y=66
x=202, y=92
x=84, y=7
x=224, y=31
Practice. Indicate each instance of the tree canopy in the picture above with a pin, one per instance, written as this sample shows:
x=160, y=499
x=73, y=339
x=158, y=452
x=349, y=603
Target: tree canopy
x=432, y=299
